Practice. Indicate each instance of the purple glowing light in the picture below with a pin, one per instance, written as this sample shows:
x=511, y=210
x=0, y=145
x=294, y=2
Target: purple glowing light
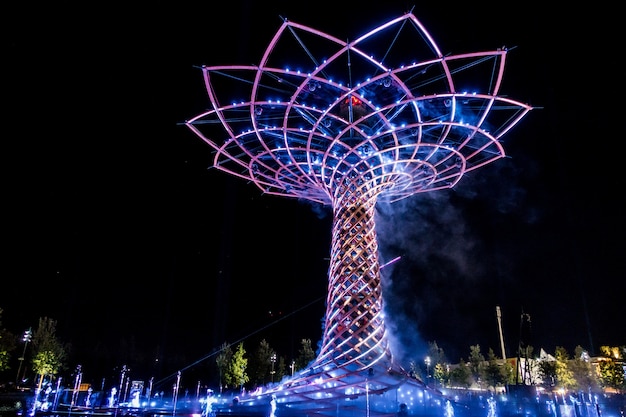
x=411, y=127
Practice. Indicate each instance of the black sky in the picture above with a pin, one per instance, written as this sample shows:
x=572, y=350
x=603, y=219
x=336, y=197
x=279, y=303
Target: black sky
x=114, y=226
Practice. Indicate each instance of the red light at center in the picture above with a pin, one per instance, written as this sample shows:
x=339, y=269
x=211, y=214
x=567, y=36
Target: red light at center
x=354, y=101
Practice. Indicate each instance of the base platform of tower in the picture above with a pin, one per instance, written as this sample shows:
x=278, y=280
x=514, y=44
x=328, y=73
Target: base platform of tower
x=382, y=395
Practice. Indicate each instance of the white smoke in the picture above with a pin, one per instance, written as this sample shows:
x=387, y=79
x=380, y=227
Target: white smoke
x=451, y=261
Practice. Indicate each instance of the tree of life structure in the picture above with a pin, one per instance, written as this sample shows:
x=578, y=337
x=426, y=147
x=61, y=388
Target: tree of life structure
x=347, y=124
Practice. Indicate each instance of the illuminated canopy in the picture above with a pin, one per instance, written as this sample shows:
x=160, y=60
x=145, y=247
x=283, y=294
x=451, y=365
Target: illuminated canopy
x=388, y=106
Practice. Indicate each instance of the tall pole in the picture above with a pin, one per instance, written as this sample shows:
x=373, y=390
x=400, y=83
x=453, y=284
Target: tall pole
x=121, y=389
x=499, y=316
x=273, y=361
x=77, y=381
x=149, y=392
x=28, y=335
x=176, y=387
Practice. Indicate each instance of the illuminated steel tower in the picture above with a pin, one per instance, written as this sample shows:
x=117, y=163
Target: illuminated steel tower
x=346, y=124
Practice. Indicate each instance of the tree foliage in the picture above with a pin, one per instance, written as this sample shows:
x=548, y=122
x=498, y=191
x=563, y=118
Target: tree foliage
x=460, y=375
x=436, y=354
x=611, y=368
x=582, y=372
x=262, y=366
x=281, y=369
x=306, y=354
x=236, y=375
x=222, y=361
x=7, y=345
x=564, y=375
x=49, y=354
x=497, y=371
x=476, y=364
x=547, y=373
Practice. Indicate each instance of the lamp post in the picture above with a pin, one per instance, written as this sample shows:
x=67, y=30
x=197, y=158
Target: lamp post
x=176, y=388
x=121, y=388
x=427, y=362
x=273, y=361
x=28, y=336
x=77, y=381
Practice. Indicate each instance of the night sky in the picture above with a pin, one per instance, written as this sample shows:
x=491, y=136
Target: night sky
x=115, y=226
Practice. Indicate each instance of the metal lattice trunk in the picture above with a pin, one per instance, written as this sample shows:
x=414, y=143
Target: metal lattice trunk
x=354, y=329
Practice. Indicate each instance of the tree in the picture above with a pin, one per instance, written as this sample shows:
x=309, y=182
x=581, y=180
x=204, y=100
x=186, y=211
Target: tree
x=305, y=354
x=438, y=362
x=281, y=369
x=612, y=375
x=495, y=373
x=436, y=354
x=7, y=345
x=261, y=365
x=49, y=355
x=547, y=373
x=4, y=358
x=509, y=371
x=236, y=375
x=476, y=364
x=611, y=368
x=222, y=360
x=564, y=376
x=441, y=373
x=582, y=372
x=460, y=375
